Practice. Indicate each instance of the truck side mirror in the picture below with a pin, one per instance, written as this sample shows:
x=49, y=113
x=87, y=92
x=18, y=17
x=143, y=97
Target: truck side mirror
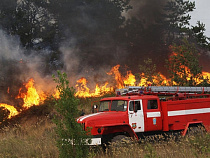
x=94, y=108
x=82, y=112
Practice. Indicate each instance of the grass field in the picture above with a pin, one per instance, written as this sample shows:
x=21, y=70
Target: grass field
x=188, y=147
x=36, y=138
x=33, y=135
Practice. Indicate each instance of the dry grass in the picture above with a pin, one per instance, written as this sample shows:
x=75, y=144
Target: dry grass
x=29, y=140
x=193, y=147
x=35, y=137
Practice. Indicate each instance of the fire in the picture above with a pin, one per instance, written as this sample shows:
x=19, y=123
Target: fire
x=121, y=81
x=206, y=75
x=205, y=78
x=84, y=91
x=129, y=79
x=118, y=76
x=56, y=94
x=30, y=97
x=185, y=72
x=143, y=81
x=158, y=80
x=13, y=111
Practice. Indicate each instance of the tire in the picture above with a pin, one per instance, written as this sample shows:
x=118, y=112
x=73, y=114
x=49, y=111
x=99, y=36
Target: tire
x=120, y=140
x=196, y=130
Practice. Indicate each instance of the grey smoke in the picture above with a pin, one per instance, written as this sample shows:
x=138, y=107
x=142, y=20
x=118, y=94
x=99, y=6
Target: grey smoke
x=145, y=10
x=16, y=68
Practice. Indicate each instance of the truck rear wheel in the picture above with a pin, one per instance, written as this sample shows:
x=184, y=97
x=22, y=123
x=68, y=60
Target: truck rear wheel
x=196, y=130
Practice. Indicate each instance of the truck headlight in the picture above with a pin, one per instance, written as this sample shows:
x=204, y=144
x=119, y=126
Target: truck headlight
x=99, y=130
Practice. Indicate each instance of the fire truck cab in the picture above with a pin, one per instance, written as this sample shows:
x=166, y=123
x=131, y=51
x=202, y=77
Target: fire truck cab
x=135, y=115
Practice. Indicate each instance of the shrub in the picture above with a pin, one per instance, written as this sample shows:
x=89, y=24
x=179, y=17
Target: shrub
x=71, y=138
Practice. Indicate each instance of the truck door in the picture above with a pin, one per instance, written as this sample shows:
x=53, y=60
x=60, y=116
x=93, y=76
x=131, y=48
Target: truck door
x=153, y=119
x=136, y=115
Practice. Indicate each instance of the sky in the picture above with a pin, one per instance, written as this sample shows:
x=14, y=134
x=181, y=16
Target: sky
x=202, y=14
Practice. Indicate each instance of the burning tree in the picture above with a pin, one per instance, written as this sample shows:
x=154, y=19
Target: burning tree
x=183, y=64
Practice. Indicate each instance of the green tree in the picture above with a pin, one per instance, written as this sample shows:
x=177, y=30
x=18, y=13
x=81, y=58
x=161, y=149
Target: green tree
x=71, y=139
x=183, y=64
x=33, y=24
x=198, y=32
x=7, y=12
x=177, y=19
x=177, y=24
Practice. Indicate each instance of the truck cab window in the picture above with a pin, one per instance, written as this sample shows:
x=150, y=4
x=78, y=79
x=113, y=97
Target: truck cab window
x=134, y=106
x=137, y=105
x=152, y=104
x=131, y=106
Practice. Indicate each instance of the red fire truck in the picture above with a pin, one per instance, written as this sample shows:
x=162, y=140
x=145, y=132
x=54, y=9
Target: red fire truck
x=137, y=111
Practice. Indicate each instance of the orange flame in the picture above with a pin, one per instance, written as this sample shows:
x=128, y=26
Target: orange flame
x=84, y=91
x=185, y=71
x=118, y=76
x=143, y=81
x=31, y=97
x=56, y=94
x=160, y=80
x=13, y=111
x=206, y=75
x=129, y=79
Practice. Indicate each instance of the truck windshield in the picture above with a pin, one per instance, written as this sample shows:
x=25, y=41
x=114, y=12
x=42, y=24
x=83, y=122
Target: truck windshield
x=116, y=105
x=104, y=105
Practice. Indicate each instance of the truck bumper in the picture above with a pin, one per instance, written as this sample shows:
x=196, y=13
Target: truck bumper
x=95, y=141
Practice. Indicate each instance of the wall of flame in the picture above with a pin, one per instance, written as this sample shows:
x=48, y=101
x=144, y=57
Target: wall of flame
x=31, y=97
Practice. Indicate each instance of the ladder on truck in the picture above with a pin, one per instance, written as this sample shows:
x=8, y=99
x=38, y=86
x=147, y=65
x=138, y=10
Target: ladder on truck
x=165, y=91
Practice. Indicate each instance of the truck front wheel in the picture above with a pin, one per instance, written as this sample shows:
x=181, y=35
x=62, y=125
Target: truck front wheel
x=120, y=140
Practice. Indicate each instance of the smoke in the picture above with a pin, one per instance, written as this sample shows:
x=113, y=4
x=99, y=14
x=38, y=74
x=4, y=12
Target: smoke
x=89, y=50
x=146, y=11
x=77, y=67
x=10, y=56
x=17, y=68
x=18, y=65
x=9, y=47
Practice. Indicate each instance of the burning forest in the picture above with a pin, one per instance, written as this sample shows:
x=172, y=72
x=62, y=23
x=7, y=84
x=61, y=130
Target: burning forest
x=29, y=96
x=100, y=46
